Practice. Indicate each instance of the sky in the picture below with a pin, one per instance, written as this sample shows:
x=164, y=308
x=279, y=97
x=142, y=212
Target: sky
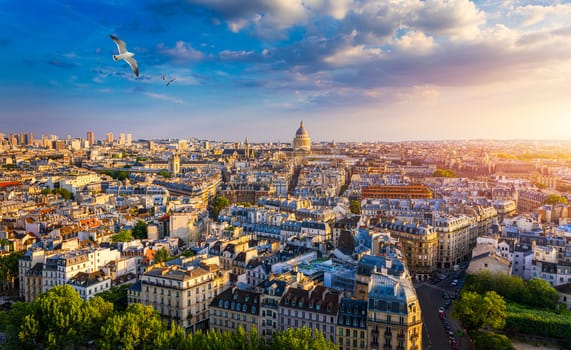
x=352, y=70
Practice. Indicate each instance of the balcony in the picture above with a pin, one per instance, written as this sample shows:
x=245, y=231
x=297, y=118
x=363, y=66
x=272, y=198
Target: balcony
x=387, y=347
x=400, y=336
x=388, y=335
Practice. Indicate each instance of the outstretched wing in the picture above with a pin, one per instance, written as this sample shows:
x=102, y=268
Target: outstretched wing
x=133, y=64
x=170, y=81
x=121, y=46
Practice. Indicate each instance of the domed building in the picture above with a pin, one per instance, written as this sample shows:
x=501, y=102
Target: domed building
x=301, y=144
x=301, y=140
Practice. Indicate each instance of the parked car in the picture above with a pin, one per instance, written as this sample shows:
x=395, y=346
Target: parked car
x=454, y=282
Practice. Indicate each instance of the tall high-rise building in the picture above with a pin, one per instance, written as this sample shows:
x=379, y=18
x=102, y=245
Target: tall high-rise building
x=109, y=137
x=122, y=138
x=129, y=139
x=90, y=138
x=30, y=139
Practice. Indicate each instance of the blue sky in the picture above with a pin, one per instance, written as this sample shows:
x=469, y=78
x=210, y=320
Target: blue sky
x=353, y=70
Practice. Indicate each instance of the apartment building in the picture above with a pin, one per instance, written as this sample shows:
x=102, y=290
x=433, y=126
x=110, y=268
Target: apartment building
x=352, y=325
x=396, y=191
x=235, y=308
x=419, y=244
x=182, y=295
x=394, y=318
x=315, y=308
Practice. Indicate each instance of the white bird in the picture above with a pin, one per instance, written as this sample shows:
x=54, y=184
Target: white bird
x=125, y=55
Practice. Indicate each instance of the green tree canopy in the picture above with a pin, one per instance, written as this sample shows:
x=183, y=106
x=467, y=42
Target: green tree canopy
x=162, y=255
x=140, y=230
x=444, y=173
x=355, y=207
x=492, y=341
x=165, y=174
x=554, y=199
x=9, y=269
x=122, y=236
x=535, y=292
x=117, y=295
x=219, y=204
x=116, y=174
x=476, y=311
x=57, y=319
x=301, y=338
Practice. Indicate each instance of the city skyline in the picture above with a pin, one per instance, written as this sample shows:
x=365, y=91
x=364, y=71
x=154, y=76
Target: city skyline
x=351, y=70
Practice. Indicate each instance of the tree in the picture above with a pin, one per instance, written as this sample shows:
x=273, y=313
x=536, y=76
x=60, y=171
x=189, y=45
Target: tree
x=9, y=269
x=542, y=294
x=58, y=319
x=122, y=236
x=139, y=327
x=117, y=295
x=219, y=204
x=301, y=338
x=444, y=173
x=355, y=207
x=165, y=174
x=161, y=256
x=492, y=341
x=536, y=292
x=67, y=195
x=554, y=199
x=476, y=311
x=140, y=230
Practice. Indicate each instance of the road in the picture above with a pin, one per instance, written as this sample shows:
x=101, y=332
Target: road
x=434, y=336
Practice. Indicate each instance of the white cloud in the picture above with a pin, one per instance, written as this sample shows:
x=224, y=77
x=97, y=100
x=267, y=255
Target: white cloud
x=542, y=15
x=235, y=55
x=415, y=42
x=458, y=19
x=351, y=55
x=337, y=9
x=163, y=97
x=182, y=52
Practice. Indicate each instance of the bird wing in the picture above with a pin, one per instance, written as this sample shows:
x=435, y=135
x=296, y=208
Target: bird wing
x=121, y=46
x=170, y=81
x=133, y=64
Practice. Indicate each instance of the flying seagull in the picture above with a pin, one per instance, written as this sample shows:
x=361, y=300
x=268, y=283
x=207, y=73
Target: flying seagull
x=125, y=55
x=170, y=81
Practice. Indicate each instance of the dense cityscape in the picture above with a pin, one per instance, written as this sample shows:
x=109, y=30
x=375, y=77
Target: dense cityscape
x=111, y=241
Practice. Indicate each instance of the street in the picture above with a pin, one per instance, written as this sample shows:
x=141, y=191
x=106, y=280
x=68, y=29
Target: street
x=435, y=336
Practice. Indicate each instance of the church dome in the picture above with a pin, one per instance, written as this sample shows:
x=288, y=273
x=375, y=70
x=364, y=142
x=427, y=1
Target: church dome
x=301, y=131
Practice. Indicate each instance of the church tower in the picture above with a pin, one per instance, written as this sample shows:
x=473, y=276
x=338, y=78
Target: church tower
x=174, y=165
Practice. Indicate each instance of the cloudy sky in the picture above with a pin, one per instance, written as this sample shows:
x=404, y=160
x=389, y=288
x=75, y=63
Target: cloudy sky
x=352, y=70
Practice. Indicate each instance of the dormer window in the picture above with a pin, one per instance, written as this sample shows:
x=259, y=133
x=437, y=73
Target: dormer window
x=318, y=307
x=300, y=304
x=311, y=305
